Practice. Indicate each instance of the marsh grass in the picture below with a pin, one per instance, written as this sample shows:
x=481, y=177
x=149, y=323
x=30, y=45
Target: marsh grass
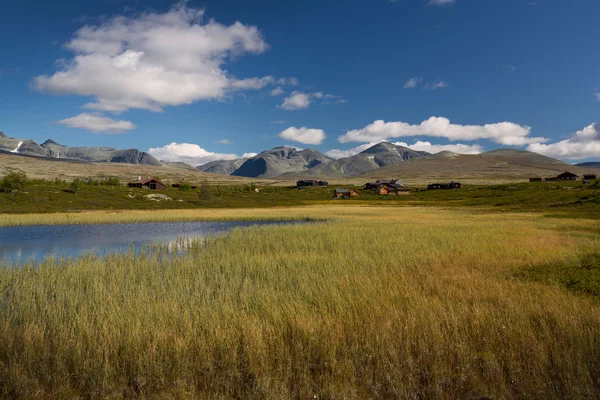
x=377, y=303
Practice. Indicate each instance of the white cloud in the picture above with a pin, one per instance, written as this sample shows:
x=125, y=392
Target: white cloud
x=418, y=146
x=155, y=60
x=303, y=135
x=582, y=144
x=441, y=2
x=337, y=153
x=436, y=148
x=252, y=83
x=249, y=155
x=506, y=133
x=439, y=84
x=597, y=95
x=300, y=100
x=413, y=82
x=296, y=101
x=278, y=122
x=97, y=123
x=225, y=141
x=277, y=91
x=190, y=153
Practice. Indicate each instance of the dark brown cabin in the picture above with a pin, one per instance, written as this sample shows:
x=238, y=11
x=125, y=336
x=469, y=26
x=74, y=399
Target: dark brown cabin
x=150, y=183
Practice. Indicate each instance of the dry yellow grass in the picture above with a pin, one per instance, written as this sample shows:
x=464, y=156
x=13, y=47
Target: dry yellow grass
x=380, y=302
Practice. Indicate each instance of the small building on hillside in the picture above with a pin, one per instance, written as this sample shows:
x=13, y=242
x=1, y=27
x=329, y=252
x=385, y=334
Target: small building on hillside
x=392, y=183
x=345, y=193
x=565, y=176
x=589, y=177
x=311, y=182
x=442, y=186
x=149, y=183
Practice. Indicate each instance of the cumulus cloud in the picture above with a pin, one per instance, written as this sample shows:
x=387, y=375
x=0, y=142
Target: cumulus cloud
x=337, y=153
x=277, y=91
x=97, y=123
x=459, y=148
x=417, y=146
x=190, y=153
x=506, y=133
x=582, y=144
x=413, y=82
x=303, y=135
x=296, y=101
x=154, y=60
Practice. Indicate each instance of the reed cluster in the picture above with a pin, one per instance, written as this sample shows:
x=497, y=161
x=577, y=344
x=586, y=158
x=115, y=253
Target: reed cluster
x=377, y=303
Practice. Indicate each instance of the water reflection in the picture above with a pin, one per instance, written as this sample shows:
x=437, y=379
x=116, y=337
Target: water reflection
x=21, y=243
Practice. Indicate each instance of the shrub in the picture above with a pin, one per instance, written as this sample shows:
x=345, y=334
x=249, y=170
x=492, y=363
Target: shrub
x=204, y=191
x=13, y=182
x=76, y=186
x=112, y=181
x=185, y=187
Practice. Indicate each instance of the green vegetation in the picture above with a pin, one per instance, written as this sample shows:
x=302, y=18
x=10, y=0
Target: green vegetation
x=382, y=302
x=571, y=199
x=581, y=275
x=13, y=182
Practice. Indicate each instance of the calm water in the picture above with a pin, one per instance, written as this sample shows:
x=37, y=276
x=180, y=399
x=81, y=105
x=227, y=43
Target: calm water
x=21, y=243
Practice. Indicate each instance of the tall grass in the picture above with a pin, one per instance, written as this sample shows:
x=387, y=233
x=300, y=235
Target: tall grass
x=380, y=303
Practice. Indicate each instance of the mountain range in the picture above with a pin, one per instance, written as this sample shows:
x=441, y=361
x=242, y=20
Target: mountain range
x=51, y=149
x=287, y=163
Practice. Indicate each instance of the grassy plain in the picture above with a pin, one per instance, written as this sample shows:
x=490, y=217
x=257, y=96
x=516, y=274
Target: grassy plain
x=379, y=302
x=559, y=198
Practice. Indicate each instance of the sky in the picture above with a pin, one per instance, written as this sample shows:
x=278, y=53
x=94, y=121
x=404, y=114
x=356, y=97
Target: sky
x=197, y=81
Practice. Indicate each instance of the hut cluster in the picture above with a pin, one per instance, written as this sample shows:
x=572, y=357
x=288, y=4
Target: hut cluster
x=565, y=176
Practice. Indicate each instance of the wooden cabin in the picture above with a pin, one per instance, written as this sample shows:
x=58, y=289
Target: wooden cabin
x=311, y=182
x=392, y=183
x=565, y=176
x=438, y=186
x=590, y=177
x=345, y=193
x=536, y=179
x=149, y=183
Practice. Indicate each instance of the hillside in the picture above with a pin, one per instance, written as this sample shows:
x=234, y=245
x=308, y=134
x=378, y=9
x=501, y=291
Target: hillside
x=497, y=165
x=51, y=168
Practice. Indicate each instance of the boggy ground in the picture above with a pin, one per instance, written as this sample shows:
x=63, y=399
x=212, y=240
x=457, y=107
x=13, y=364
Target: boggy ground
x=378, y=302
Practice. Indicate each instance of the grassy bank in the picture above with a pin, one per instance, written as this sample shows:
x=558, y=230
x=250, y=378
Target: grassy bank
x=383, y=302
x=571, y=199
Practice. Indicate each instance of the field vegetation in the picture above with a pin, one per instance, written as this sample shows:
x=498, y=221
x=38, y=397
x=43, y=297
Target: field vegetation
x=43, y=196
x=378, y=302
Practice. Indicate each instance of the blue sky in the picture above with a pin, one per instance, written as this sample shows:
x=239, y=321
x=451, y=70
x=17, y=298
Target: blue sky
x=203, y=80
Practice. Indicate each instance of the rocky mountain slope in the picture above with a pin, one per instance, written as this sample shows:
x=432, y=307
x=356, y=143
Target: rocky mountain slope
x=224, y=167
x=373, y=158
x=281, y=160
x=52, y=149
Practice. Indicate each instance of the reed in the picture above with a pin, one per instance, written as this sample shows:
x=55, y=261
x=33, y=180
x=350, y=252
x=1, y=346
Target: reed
x=377, y=303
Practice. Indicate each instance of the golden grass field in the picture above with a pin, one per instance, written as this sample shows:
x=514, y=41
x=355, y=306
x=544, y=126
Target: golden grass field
x=378, y=302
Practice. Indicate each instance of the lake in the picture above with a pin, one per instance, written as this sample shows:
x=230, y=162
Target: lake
x=21, y=243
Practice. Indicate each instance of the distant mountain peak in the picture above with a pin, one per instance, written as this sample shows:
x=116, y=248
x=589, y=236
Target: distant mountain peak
x=50, y=141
